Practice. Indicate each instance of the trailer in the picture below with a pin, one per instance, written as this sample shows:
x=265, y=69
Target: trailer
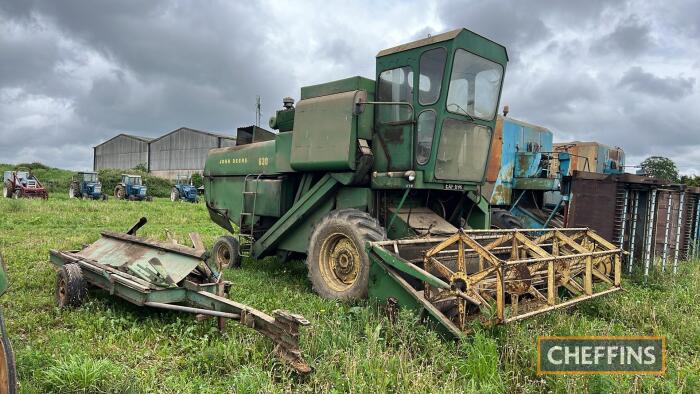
x=169, y=276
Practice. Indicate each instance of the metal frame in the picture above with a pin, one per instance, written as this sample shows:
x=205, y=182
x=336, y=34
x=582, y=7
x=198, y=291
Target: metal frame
x=506, y=275
x=204, y=297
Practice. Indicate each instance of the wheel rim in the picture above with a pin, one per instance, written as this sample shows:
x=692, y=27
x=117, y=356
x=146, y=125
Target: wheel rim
x=223, y=256
x=4, y=191
x=61, y=292
x=172, y=195
x=120, y=193
x=71, y=193
x=4, y=368
x=339, y=262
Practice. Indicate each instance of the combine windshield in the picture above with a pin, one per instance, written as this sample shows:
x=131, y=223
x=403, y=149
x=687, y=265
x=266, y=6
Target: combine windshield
x=474, y=86
x=463, y=151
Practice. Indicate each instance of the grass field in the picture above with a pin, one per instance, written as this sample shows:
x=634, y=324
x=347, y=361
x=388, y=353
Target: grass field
x=109, y=345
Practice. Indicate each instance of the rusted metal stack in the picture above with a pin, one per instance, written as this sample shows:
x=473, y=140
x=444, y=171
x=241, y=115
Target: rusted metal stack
x=656, y=221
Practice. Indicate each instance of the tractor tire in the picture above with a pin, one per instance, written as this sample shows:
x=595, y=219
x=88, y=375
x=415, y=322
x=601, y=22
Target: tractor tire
x=337, y=261
x=17, y=194
x=73, y=191
x=8, y=370
x=119, y=193
x=225, y=252
x=503, y=219
x=71, y=289
x=174, y=195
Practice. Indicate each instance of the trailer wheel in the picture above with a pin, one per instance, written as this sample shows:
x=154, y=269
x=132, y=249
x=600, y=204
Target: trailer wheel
x=337, y=260
x=225, y=252
x=174, y=194
x=119, y=193
x=71, y=288
x=8, y=371
x=502, y=219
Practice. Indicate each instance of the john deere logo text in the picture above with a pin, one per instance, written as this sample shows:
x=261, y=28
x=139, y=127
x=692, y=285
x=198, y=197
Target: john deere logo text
x=601, y=355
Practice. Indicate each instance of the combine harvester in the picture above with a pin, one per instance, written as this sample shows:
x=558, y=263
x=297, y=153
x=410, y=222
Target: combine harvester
x=375, y=182
x=522, y=176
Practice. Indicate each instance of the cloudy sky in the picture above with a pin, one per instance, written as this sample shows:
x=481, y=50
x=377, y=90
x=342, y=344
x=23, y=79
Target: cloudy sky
x=75, y=73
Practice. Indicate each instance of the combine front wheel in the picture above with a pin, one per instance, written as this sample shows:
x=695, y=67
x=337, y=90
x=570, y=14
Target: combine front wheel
x=8, y=372
x=337, y=260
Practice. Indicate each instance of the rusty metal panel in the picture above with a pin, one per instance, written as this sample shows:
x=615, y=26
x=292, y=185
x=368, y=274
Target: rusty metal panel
x=593, y=205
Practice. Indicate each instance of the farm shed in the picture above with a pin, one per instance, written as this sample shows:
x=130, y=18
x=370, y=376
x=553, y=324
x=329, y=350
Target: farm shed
x=122, y=151
x=183, y=151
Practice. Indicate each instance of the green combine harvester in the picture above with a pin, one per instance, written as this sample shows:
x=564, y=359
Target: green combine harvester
x=377, y=184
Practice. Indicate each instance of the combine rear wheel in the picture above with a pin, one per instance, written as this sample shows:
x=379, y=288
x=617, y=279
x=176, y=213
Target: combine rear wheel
x=337, y=261
x=71, y=288
x=502, y=219
x=225, y=252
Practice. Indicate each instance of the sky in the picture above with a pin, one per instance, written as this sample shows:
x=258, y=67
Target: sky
x=76, y=73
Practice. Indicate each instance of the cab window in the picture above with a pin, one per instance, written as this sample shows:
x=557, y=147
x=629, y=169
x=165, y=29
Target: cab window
x=432, y=65
x=395, y=85
x=475, y=83
x=424, y=136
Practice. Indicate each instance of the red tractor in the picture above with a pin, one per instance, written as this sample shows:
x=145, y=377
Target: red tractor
x=21, y=183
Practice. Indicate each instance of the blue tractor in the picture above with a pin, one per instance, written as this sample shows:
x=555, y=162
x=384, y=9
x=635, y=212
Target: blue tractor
x=86, y=185
x=132, y=188
x=184, y=190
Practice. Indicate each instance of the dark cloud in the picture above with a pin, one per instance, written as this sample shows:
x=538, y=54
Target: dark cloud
x=74, y=73
x=631, y=37
x=638, y=80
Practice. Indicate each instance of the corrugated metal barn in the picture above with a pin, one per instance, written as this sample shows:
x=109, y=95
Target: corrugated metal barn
x=122, y=151
x=183, y=151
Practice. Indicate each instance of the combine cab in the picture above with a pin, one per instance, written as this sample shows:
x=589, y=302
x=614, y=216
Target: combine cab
x=21, y=184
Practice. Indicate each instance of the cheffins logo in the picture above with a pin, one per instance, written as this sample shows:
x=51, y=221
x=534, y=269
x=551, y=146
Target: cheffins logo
x=601, y=355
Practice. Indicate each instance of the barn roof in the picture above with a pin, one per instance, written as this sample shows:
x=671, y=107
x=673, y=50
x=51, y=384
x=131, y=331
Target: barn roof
x=230, y=137
x=135, y=137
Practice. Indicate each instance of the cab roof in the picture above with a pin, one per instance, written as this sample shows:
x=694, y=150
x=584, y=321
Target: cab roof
x=432, y=40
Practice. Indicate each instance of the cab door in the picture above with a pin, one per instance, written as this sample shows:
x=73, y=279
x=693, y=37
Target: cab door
x=394, y=122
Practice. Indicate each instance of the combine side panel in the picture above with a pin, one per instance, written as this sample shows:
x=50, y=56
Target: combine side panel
x=299, y=212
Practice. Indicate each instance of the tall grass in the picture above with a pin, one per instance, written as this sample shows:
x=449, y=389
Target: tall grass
x=352, y=347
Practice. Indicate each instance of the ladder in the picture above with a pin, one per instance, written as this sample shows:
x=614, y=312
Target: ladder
x=247, y=239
